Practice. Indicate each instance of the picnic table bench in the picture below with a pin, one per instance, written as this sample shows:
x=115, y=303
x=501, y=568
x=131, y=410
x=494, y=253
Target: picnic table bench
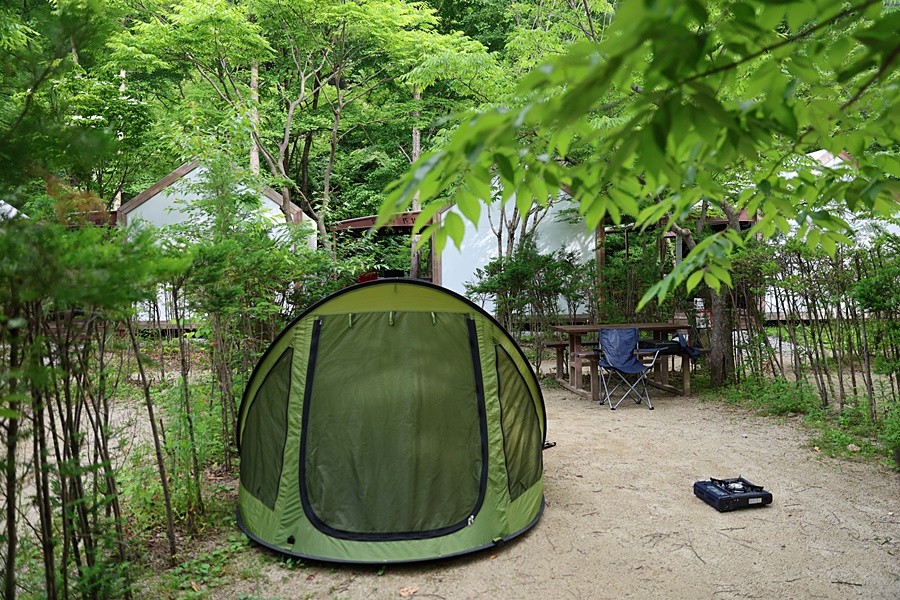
x=578, y=357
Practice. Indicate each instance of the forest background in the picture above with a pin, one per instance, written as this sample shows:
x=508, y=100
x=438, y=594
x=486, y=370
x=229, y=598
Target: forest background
x=656, y=116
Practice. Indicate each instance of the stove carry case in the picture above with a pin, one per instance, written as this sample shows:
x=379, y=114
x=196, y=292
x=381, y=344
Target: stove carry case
x=731, y=494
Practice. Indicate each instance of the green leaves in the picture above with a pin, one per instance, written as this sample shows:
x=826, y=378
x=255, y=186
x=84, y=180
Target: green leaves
x=6, y=413
x=426, y=179
x=80, y=267
x=741, y=100
x=14, y=33
x=454, y=228
x=709, y=262
x=202, y=32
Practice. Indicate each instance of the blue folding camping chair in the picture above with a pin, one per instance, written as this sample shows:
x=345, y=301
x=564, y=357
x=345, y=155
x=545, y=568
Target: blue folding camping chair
x=620, y=364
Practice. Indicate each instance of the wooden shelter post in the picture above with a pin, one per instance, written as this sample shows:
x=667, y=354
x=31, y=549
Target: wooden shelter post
x=600, y=241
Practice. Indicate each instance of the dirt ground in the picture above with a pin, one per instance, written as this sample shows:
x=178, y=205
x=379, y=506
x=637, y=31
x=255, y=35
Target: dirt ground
x=621, y=520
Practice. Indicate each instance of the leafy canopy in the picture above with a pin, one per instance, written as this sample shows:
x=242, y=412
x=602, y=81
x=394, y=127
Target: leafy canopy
x=679, y=102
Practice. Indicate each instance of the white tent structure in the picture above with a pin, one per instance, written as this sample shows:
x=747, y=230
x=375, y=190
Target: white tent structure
x=479, y=246
x=8, y=211
x=163, y=203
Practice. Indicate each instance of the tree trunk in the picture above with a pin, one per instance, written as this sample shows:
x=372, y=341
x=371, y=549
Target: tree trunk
x=305, y=185
x=68, y=537
x=185, y=374
x=721, y=343
x=12, y=441
x=721, y=335
x=865, y=351
x=512, y=225
x=600, y=239
x=337, y=109
x=222, y=369
x=254, y=115
x=415, y=258
x=43, y=493
x=160, y=463
x=42, y=499
x=102, y=427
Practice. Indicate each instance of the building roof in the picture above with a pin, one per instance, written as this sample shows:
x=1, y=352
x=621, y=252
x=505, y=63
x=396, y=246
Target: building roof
x=8, y=211
x=176, y=176
x=402, y=221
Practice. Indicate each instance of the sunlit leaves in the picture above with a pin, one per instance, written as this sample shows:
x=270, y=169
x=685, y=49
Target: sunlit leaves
x=454, y=228
x=468, y=205
x=709, y=262
x=14, y=34
x=462, y=62
x=81, y=266
x=202, y=32
x=721, y=94
x=40, y=43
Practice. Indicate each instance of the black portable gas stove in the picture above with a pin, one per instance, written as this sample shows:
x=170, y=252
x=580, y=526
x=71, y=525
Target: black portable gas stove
x=731, y=494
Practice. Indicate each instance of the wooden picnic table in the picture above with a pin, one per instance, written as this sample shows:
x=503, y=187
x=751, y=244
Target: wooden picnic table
x=661, y=331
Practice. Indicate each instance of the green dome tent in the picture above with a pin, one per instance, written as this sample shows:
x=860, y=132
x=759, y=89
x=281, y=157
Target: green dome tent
x=393, y=421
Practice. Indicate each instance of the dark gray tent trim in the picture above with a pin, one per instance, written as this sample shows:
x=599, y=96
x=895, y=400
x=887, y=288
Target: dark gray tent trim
x=499, y=543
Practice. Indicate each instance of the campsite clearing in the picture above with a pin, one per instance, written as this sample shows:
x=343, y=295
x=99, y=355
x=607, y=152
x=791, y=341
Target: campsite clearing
x=621, y=520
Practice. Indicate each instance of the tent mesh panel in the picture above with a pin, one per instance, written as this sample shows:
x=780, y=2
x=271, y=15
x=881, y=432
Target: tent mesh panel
x=522, y=440
x=390, y=450
x=265, y=430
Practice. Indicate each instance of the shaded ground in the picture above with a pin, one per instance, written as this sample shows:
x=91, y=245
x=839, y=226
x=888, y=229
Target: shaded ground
x=621, y=520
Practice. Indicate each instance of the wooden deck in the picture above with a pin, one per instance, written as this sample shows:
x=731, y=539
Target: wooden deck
x=166, y=328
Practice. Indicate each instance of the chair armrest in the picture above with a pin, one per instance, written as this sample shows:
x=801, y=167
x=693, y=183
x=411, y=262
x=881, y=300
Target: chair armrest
x=642, y=353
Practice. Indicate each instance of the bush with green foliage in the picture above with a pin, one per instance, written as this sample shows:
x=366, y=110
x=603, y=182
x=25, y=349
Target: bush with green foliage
x=774, y=397
x=524, y=288
x=65, y=287
x=891, y=433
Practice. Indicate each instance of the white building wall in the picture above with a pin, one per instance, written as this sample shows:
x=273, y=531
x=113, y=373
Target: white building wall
x=166, y=208
x=479, y=245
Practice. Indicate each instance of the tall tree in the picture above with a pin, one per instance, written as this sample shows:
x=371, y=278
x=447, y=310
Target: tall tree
x=41, y=42
x=317, y=62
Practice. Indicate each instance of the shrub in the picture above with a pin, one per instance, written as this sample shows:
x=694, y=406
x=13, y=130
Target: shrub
x=890, y=434
x=774, y=397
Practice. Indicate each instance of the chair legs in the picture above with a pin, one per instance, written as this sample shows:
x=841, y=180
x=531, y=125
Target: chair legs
x=639, y=394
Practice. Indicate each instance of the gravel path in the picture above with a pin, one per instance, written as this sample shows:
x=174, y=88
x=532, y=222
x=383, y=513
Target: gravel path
x=621, y=520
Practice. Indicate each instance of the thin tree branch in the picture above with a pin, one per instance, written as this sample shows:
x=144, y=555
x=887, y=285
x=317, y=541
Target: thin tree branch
x=782, y=43
x=884, y=67
x=587, y=13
